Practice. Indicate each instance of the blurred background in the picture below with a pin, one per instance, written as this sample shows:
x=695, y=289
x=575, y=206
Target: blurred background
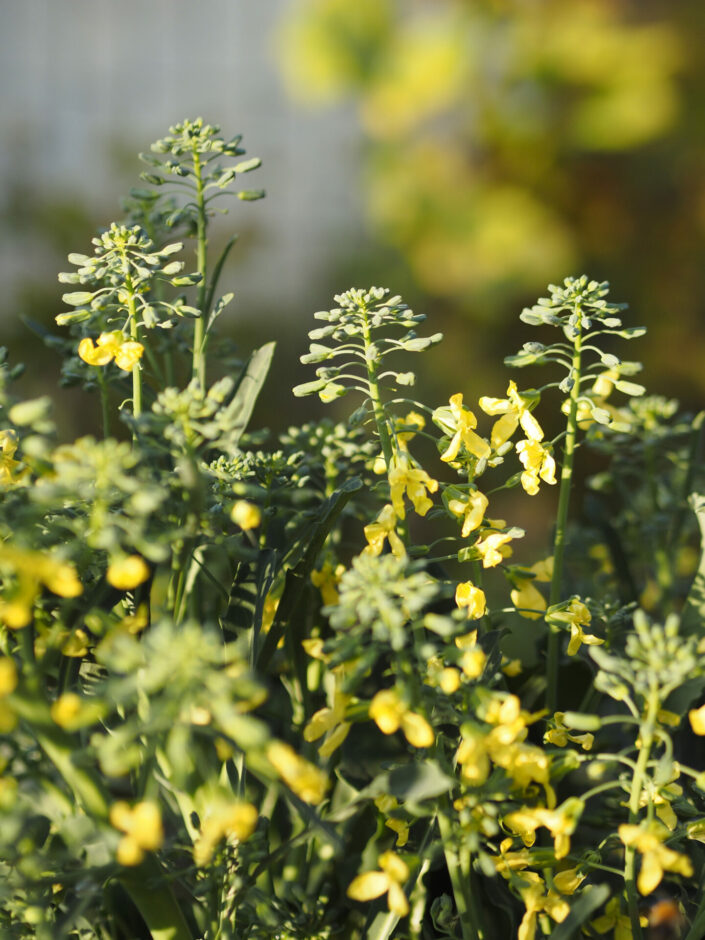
x=462, y=152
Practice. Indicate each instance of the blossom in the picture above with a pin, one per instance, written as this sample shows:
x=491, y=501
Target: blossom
x=467, y=595
x=31, y=570
x=472, y=509
x=472, y=756
x=696, y=716
x=142, y=825
x=463, y=424
x=109, y=346
x=577, y=615
x=538, y=462
x=373, y=884
x=527, y=599
x=559, y=735
x=8, y=676
x=127, y=573
x=656, y=858
x=560, y=822
x=327, y=580
x=514, y=411
x=405, y=477
x=389, y=714
x=614, y=919
x=493, y=548
x=308, y=782
x=225, y=820
x=383, y=529
x=9, y=474
x=535, y=901
x=386, y=803
x=412, y=420
x=331, y=723
x=246, y=515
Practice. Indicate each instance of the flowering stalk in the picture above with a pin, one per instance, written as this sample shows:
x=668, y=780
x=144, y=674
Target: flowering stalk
x=199, y=353
x=562, y=515
x=470, y=928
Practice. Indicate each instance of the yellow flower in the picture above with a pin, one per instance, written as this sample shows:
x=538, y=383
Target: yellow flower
x=614, y=919
x=472, y=509
x=386, y=803
x=127, y=573
x=656, y=858
x=568, y=881
x=373, y=884
x=471, y=597
x=538, y=462
x=404, y=477
x=8, y=465
x=66, y=710
x=507, y=861
x=331, y=723
x=577, y=616
x=449, y=680
x=142, y=825
x=514, y=411
x=473, y=662
x=412, y=420
x=532, y=894
x=327, y=580
x=493, y=548
x=307, y=781
x=696, y=716
x=8, y=676
x=126, y=353
x=389, y=714
x=527, y=599
x=226, y=820
x=472, y=756
x=384, y=528
x=463, y=426
x=559, y=735
x=246, y=515
x=560, y=822
x=76, y=645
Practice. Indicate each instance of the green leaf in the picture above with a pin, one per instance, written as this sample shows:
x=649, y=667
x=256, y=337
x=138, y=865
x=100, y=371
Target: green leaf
x=416, y=782
x=217, y=268
x=218, y=309
x=248, y=388
x=592, y=898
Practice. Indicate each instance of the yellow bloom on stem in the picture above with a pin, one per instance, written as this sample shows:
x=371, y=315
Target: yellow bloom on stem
x=308, y=782
x=385, y=804
x=467, y=595
x=508, y=861
x=246, y=515
x=331, y=723
x=656, y=858
x=514, y=411
x=472, y=756
x=569, y=880
x=577, y=616
x=383, y=529
x=405, y=477
x=142, y=825
x=527, y=599
x=560, y=822
x=472, y=509
x=127, y=573
x=412, y=420
x=614, y=919
x=327, y=580
x=31, y=570
x=390, y=714
x=696, y=716
x=234, y=820
x=109, y=346
x=463, y=425
x=8, y=465
x=493, y=548
x=559, y=735
x=535, y=901
x=538, y=462
x=388, y=880
x=8, y=676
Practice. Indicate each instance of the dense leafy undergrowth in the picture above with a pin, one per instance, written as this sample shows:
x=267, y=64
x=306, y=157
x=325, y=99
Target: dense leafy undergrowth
x=313, y=686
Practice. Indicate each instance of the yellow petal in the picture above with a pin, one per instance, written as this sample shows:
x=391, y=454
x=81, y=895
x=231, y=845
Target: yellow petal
x=417, y=730
x=651, y=873
x=94, y=356
x=396, y=900
x=369, y=885
x=127, y=573
x=696, y=716
x=128, y=355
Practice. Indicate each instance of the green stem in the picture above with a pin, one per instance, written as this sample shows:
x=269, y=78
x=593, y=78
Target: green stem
x=134, y=336
x=462, y=893
x=373, y=383
x=105, y=411
x=199, y=353
x=647, y=737
x=561, y=523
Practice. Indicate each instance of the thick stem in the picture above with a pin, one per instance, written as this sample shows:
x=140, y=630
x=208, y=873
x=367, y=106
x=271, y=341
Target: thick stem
x=199, y=353
x=561, y=523
x=646, y=736
x=134, y=336
x=462, y=890
x=373, y=383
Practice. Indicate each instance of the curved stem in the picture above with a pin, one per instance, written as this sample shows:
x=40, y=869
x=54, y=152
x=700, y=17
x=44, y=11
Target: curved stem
x=561, y=522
